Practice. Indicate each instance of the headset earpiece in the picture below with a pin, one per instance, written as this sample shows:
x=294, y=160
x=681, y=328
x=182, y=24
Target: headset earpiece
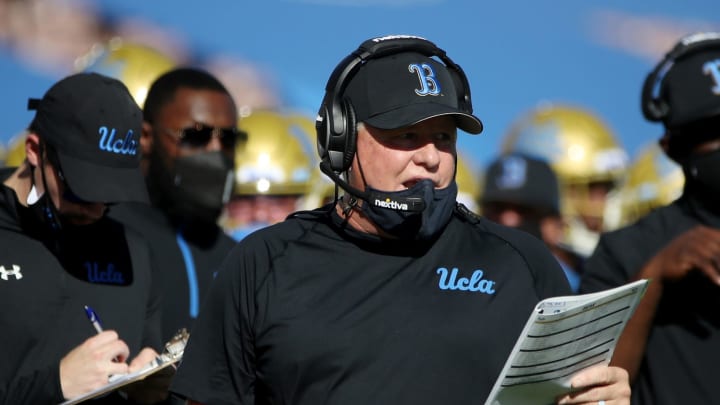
x=653, y=107
x=336, y=134
x=322, y=131
x=351, y=134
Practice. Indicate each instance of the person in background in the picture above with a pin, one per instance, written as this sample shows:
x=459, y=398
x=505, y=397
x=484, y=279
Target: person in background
x=589, y=161
x=394, y=294
x=670, y=346
x=523, y=193
x=189, y=136
x=273, y=171
x=60, y=252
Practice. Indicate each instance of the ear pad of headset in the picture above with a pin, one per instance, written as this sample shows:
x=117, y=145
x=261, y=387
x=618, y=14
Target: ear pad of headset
x=330, y=143
x=350, y=133
x=653, y=109
x=323, y=134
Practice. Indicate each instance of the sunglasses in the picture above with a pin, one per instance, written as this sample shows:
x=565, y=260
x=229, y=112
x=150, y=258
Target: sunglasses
x=199, y=135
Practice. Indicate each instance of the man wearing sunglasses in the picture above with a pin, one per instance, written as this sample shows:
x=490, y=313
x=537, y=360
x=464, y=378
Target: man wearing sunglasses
x=59, y=252
x=188, y=144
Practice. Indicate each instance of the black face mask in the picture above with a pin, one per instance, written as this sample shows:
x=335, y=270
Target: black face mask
x=195, y=190
x=412, y=224
x=702, y=177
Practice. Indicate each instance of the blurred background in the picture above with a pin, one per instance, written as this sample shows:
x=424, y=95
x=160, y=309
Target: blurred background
x=279, y=53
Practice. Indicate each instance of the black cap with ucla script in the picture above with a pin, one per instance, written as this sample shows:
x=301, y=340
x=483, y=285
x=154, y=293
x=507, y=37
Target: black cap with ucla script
x=93, y=126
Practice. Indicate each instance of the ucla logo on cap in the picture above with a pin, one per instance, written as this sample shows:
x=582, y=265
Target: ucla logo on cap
x=123, y=146
x=712, y=68
x=513, y=173
x=426, y=75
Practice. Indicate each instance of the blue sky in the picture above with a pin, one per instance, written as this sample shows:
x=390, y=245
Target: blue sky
x=515, y=53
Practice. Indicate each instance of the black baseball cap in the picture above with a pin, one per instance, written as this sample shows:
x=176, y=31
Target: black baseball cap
x=405, y=88
x=93, y=126
x=685, y=86
x=522, y=180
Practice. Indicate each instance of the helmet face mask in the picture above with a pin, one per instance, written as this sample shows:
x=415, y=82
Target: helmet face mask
x=588, y=201
x=587, y=158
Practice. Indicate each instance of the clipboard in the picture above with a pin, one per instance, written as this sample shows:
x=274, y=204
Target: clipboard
x=563, y=336
x=172, y=354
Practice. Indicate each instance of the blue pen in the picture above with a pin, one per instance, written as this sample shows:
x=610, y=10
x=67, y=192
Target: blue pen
x=94, y=319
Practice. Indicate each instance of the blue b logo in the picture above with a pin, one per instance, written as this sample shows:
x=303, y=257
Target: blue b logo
x=428, y=85
x=514, y=172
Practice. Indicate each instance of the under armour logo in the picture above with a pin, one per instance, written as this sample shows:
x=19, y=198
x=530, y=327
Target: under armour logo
x=712, y=68
x=426, y=75
x=5, y=274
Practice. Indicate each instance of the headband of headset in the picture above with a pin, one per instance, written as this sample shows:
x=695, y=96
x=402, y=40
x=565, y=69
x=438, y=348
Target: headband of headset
x=654, y=107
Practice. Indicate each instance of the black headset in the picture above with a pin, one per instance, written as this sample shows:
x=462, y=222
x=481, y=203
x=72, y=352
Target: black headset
x=336, y=122
x=655, y=108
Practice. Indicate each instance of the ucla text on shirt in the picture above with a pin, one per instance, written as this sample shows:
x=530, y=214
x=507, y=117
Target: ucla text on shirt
x=449, y=280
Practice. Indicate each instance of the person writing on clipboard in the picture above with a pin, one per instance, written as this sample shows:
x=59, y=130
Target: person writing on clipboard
x=395, y=294
x=60, y=253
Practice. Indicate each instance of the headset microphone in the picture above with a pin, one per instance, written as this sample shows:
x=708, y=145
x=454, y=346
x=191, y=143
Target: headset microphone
x=410, y=204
